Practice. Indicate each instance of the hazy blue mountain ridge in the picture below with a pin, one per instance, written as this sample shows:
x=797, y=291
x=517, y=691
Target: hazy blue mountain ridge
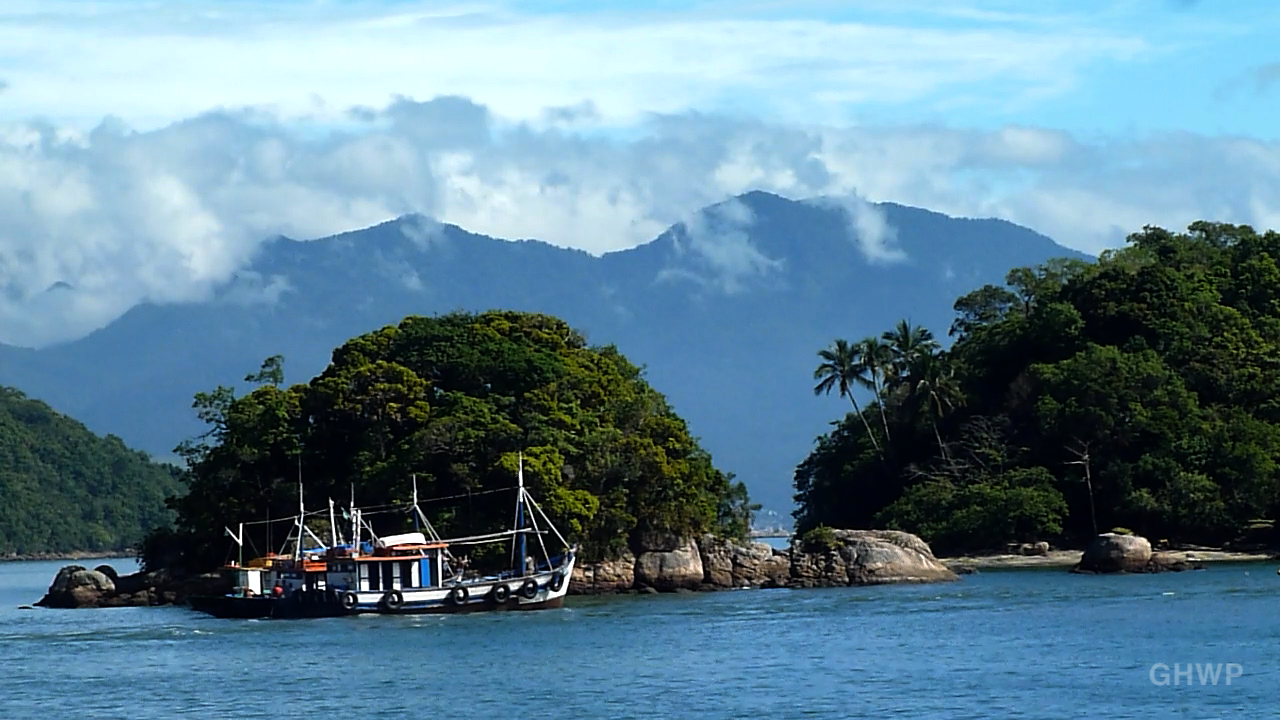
x=726, y=313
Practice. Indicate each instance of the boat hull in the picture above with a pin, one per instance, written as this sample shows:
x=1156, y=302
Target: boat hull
x=548, y=604
x=230, y=606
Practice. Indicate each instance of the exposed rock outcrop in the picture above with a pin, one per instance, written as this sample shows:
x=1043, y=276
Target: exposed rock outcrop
x=601, y=578
x=76, y=587
x=867, y=557
x=1115, y=553
x=1110, y=552
x=1036, y=549
x=727, y=564
x=677, y=568
x=1170, y=562
x=855, y=557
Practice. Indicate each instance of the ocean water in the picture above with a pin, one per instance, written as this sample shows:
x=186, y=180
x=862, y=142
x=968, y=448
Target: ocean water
x=999, y=644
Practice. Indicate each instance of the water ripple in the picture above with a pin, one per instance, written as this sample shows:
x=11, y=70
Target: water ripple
x=1008, y=644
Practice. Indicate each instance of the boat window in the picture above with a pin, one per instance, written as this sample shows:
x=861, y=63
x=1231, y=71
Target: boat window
x=374, y=582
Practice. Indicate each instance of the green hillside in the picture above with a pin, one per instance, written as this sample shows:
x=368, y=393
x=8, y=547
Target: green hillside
x=1142, y=391
x=64, y=489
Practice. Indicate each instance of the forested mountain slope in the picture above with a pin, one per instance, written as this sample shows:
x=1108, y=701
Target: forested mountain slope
x=64, y=489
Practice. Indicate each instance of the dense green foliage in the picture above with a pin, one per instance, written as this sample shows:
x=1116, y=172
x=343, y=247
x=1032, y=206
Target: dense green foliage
x=65, y=489
x=452, y=400
x=1140, y=391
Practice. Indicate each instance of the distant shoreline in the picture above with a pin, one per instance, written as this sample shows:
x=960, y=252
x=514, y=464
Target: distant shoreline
x=1055, y=558
x=36, y=557
x=1068, y=558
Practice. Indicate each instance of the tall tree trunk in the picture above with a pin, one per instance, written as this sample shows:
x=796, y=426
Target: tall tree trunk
x=871, y=435
x=941, y=447
x=884, y=419
x=937, y=407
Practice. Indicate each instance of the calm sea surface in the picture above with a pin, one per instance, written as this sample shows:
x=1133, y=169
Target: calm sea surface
x=999, y=644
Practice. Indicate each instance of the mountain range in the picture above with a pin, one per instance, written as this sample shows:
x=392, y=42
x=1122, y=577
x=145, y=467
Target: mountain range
x=726, y=311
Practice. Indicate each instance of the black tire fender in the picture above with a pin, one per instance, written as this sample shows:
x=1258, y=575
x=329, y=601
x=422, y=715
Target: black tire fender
x=529, y=590
x=500, y=593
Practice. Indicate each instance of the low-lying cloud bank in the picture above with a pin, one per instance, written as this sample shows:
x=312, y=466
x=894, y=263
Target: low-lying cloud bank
x=97, y=222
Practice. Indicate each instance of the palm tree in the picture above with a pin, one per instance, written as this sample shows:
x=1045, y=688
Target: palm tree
x=842, y=367
x=878, y=359
x=931, y=386
x=907, y=343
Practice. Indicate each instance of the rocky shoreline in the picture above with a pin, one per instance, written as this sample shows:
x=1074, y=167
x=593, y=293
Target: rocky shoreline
x=1192, y=557
x=669, y=564
x=1071, y=558
x=78, y=587
x=77, y=555
x=851, y=557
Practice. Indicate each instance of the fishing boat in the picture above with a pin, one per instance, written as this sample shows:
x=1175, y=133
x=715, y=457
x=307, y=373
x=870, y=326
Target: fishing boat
x=406, y=573
x=420, y=572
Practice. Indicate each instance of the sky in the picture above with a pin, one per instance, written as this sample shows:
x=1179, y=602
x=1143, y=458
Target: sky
x=148, y=148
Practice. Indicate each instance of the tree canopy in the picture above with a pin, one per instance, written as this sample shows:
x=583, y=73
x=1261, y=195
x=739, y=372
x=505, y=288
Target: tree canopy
x=66, y=489
x=452, y=400
x=1141, y=391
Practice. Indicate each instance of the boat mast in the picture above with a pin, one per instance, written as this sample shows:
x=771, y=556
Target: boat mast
x=520, y=514
x=415, y=502
x=333, y=525
x=240, y=542
x=302, y=514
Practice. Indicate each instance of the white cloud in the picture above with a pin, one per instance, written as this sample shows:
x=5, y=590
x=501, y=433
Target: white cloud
x=424, y=232
x=249, y=287
x=596, y=130
x=169, y=215
x=868, y=228
x=155, y=63
x=714, y=248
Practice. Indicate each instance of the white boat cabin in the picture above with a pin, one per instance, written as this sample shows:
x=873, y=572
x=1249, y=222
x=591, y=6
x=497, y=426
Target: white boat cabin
x=397, y=562
x=250, y=581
